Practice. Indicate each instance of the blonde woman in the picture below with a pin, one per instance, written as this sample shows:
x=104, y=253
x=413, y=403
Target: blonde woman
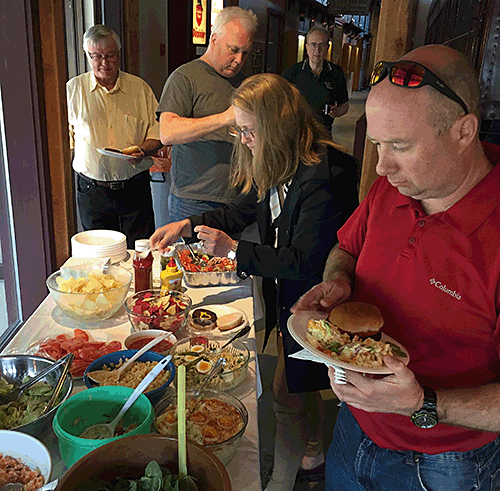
x=299, y=187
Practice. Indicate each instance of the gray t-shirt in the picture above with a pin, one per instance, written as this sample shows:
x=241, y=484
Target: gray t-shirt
x=200, y=169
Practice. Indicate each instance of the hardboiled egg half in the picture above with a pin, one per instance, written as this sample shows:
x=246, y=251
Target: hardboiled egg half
x=203, y=366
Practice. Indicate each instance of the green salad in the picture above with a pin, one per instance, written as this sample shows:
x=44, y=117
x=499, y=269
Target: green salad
x=155, y=478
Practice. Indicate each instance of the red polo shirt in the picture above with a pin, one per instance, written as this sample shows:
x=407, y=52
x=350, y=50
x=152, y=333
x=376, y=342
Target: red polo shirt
x=436, y=279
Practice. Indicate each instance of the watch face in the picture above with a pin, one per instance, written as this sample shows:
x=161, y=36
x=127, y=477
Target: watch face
x=424, y=420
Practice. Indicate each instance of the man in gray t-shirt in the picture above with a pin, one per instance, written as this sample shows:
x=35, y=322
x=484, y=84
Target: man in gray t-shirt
x=195, y=113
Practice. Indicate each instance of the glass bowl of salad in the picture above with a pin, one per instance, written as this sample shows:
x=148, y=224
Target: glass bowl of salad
x=199, y=353
x=158, y=309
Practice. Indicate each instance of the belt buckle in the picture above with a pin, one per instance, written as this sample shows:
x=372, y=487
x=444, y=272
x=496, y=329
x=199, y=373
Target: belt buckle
x=115, y=185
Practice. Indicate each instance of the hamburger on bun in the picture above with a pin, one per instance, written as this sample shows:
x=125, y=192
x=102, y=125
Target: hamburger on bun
x=132, y=149
x=357, y=319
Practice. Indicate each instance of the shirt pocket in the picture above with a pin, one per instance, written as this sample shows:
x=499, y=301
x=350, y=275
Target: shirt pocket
x=134, y=130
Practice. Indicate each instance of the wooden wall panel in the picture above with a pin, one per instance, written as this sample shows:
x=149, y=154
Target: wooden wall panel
x=394, y=35
x=53, y=54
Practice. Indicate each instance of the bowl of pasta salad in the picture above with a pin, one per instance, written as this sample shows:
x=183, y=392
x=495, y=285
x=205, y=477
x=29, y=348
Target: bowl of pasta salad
x=199, y=353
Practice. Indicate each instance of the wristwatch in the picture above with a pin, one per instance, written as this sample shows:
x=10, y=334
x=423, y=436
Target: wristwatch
x=426, y=416
x=232, y=253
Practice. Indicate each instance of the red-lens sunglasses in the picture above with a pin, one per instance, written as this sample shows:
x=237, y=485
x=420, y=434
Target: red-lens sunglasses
x=412, y=75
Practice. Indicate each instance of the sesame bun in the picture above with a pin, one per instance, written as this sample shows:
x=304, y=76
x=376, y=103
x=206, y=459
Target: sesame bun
x=357, y=318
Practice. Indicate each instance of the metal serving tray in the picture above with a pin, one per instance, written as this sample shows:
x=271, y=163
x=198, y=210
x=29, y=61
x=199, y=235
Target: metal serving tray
x=212, y=278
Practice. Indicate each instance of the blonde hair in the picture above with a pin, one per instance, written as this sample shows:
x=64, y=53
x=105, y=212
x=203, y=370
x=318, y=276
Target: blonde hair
x=287, y=133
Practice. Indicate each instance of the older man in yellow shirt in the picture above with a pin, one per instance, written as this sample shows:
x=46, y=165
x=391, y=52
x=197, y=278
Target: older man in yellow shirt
x=108, y=108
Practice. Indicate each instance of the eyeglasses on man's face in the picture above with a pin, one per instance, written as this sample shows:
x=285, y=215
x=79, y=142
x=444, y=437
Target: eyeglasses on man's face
x=236, y=131
x=320, y=46
x=113, y=56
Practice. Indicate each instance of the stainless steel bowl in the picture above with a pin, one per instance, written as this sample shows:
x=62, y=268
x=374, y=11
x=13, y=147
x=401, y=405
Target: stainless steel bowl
x=14, y=368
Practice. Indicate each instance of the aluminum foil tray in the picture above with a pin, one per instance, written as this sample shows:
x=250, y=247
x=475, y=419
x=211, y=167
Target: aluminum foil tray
x=211, y=278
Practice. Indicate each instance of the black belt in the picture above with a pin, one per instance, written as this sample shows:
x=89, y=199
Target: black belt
x=116, y=185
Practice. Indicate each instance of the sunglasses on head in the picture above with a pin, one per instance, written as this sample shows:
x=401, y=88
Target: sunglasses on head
x=412, y=75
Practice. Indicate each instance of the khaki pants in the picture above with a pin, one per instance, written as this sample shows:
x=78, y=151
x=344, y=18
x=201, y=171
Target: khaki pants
x=299, y=419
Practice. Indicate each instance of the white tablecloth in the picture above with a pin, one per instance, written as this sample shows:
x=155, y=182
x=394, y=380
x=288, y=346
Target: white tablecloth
x=48, y=320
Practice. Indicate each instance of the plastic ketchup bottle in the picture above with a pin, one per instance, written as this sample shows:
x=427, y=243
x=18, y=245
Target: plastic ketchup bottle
x=143, y=266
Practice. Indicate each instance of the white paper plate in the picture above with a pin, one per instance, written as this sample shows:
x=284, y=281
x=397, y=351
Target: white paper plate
x=116, y=155
x=297, y=326
x=99, y=239
x=219, y=310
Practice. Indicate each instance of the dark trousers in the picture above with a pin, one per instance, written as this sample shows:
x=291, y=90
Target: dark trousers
x=128, y=210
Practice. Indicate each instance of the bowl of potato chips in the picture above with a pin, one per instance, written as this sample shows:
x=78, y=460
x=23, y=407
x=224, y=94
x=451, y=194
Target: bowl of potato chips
x=90, y=295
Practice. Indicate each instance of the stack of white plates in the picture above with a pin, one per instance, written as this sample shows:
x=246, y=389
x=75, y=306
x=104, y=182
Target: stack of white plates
x=99, y=243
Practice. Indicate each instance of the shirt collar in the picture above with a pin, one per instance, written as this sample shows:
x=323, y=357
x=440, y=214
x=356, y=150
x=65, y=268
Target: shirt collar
x=483, y=198
x=306, y=66
x=120, y=83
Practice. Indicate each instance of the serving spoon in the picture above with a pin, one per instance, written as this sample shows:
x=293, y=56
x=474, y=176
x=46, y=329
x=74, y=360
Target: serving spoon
x=113, y=376
x=102, y=431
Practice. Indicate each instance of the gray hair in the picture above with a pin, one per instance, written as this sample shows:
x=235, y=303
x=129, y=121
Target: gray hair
x=95, y=35
x=228, y=14
x=318, y=28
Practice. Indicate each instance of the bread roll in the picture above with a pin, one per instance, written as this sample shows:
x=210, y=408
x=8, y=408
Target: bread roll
x=357, y=318
x=132, y=149
x=229, y=321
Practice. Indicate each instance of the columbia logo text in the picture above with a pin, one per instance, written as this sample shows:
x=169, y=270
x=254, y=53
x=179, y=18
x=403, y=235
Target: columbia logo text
x=445, y=289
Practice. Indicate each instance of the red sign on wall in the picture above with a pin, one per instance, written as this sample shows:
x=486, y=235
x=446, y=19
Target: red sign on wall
x=199, y=21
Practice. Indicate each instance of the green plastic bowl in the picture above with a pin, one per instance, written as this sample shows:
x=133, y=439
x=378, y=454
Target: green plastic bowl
x=97, y=405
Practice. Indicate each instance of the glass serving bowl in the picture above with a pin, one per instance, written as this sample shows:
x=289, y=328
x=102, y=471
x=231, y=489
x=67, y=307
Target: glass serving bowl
x=209, y=420
x=91, y=307
x=142, y=314
x=187, y=351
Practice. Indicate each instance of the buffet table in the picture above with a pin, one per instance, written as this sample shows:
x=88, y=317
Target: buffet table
x=48, y=321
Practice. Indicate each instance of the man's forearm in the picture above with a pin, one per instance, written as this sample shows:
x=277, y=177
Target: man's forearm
x=340, y=265
x=175, y=129
x=342, y=109
x=474, y=407
x=150, y=146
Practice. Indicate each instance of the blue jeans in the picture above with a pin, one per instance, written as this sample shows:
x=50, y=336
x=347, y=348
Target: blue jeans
x=355, y=463
x=180, y=208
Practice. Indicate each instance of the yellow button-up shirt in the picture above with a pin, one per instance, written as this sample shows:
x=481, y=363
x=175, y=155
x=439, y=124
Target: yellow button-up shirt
x=116, y=118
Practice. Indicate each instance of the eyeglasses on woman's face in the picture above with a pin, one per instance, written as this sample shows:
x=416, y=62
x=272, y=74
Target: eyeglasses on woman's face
x=237, y=132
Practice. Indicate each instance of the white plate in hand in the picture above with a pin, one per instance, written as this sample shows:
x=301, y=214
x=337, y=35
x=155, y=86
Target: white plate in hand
x=116, y=155
x=297, y=326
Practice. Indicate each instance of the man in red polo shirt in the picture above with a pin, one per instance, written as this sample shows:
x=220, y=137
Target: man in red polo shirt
x=424, y=246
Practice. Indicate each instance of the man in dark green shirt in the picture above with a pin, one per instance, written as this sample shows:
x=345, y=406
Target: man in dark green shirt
x=322, y=83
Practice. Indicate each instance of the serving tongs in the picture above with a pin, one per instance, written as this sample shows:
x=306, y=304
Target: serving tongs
x=14, y=394
x=238, y=335
x=57, y=389
x=197, y=259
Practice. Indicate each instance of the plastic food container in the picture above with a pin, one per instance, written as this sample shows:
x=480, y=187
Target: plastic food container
x=237, y=357
x=114, y=358
x=224, y=450
x=210, y=278
x=97, y=405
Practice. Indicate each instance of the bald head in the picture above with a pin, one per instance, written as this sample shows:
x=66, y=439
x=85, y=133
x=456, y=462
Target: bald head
x=453, y=68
